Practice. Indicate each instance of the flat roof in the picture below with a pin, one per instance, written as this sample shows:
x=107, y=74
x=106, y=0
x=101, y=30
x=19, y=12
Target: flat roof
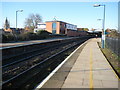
x=60, y=21
x=56, y=21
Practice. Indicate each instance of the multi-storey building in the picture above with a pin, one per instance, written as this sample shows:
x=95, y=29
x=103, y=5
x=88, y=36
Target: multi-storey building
x=59, y=27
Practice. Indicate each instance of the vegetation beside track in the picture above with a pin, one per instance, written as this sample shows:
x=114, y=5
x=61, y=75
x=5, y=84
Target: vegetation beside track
x=28, y=36
x=112, y=58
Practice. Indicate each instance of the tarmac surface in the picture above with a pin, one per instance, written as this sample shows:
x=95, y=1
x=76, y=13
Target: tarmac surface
x=87, y=67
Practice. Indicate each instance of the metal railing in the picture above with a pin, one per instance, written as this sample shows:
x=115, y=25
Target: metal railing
x=113, y=44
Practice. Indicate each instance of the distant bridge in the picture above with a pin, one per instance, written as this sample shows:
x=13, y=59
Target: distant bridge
x=96, y=32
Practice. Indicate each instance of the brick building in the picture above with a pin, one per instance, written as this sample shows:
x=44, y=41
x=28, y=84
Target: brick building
x=82, y=29
x=56, y=27
x=60, y=27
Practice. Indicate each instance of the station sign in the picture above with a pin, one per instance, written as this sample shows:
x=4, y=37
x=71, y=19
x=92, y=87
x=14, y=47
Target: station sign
x=71, y=26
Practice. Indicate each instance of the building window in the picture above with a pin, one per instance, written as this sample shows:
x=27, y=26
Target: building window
x=54, y=28
x=64, y=25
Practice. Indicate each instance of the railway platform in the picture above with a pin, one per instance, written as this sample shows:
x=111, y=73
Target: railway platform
x=24, y=43
x=84, y=68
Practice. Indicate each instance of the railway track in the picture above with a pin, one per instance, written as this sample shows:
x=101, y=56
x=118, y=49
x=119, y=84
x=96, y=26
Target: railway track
x=20, y=66
x=31, y=68
x=10, y=60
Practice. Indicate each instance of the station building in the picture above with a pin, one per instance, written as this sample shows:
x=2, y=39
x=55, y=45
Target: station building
x=60, y=27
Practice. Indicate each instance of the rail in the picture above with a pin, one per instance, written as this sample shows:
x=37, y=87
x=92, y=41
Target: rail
x=40, y=67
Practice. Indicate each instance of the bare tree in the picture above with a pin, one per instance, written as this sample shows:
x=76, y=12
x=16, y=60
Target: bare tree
x=32, y=21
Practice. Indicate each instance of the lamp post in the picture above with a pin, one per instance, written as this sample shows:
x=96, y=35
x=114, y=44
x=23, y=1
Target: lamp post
x=99, y=19
x=102, y=22
x=101, y=28
x=103, y=33
x=16, y=16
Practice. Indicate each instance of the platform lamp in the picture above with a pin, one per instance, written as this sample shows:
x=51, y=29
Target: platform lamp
x=103, y=33
x=16, y=16
x=16, y=23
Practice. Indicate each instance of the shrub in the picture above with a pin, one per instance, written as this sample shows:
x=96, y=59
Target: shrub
x=42, y=34
x=7, y=37
x=10, y=37
x=3, y=38
x=31, y=35
x=115, y=34
x=27, y=36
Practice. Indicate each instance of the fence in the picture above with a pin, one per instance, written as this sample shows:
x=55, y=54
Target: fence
x=113, y=44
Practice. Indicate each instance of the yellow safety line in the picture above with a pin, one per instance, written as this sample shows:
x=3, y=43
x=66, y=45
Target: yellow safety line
x=91, y=74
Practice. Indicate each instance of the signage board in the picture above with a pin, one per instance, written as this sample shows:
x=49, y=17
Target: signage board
x=71, y=26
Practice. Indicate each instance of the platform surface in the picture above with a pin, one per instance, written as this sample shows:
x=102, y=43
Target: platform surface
x=89, y=70
x=23, y=43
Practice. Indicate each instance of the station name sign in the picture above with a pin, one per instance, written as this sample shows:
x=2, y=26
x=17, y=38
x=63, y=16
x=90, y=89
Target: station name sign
x=71, y=26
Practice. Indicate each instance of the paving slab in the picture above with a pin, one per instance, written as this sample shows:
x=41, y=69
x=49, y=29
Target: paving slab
x=93, y=70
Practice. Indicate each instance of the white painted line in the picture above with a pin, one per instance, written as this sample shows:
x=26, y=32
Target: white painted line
x=56, y=69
